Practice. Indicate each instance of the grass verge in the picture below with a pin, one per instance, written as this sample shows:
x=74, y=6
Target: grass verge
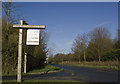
x=47, y=69
x=47, y=81
x=50, y=81
x=100, y=67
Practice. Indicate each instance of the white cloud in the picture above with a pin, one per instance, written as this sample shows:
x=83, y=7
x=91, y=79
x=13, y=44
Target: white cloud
x=101, y=24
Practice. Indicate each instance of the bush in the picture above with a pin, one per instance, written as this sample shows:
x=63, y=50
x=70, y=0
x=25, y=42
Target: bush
x=112, y=55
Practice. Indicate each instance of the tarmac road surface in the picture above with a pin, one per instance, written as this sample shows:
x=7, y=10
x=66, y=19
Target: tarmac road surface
x=73, y=73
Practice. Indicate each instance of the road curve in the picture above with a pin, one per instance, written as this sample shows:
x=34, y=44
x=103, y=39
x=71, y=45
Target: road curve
x=90, y=74
x=73, y=73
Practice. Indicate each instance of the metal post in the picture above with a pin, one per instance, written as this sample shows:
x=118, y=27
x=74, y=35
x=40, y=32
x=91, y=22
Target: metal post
x=19, y=54
x=25, y=62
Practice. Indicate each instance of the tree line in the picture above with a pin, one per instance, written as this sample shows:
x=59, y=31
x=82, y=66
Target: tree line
x=97, y=45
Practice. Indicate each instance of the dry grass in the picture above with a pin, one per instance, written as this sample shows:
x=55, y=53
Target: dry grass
x=106, y=63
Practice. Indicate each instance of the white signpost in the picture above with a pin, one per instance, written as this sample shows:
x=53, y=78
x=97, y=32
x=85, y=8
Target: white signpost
x=32, y=37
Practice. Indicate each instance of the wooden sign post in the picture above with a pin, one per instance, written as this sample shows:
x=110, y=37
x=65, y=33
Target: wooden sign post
x=25, y=62
x=20, y=27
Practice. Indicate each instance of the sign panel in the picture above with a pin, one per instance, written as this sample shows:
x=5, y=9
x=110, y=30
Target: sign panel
x=32, y=37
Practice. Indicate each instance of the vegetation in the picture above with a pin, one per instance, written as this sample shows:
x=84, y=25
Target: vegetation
x=47, y=69
x=50, y=81
x=39, y=70
x=9, y=49
x=111, y=55
x=103, y=66
x=79, y=46
x=36, y=54
x=96, y=46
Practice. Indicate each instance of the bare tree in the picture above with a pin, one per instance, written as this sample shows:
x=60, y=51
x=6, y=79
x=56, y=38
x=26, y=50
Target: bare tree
x=79, y=46
x=100, y=38
x=76, y=48
x=84, y=44
x=10, y=11
x=7, y=9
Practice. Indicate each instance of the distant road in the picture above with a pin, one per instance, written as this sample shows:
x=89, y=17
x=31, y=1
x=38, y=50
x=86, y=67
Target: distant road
x=90, y=74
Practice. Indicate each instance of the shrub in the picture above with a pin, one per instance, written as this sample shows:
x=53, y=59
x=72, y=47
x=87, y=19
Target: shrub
x=111, y=55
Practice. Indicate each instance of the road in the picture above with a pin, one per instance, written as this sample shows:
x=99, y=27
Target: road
x=73, y=73
x=91, y=74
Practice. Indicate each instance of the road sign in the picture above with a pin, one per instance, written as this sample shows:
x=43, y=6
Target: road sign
x=21, y=26
x=32, y=37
